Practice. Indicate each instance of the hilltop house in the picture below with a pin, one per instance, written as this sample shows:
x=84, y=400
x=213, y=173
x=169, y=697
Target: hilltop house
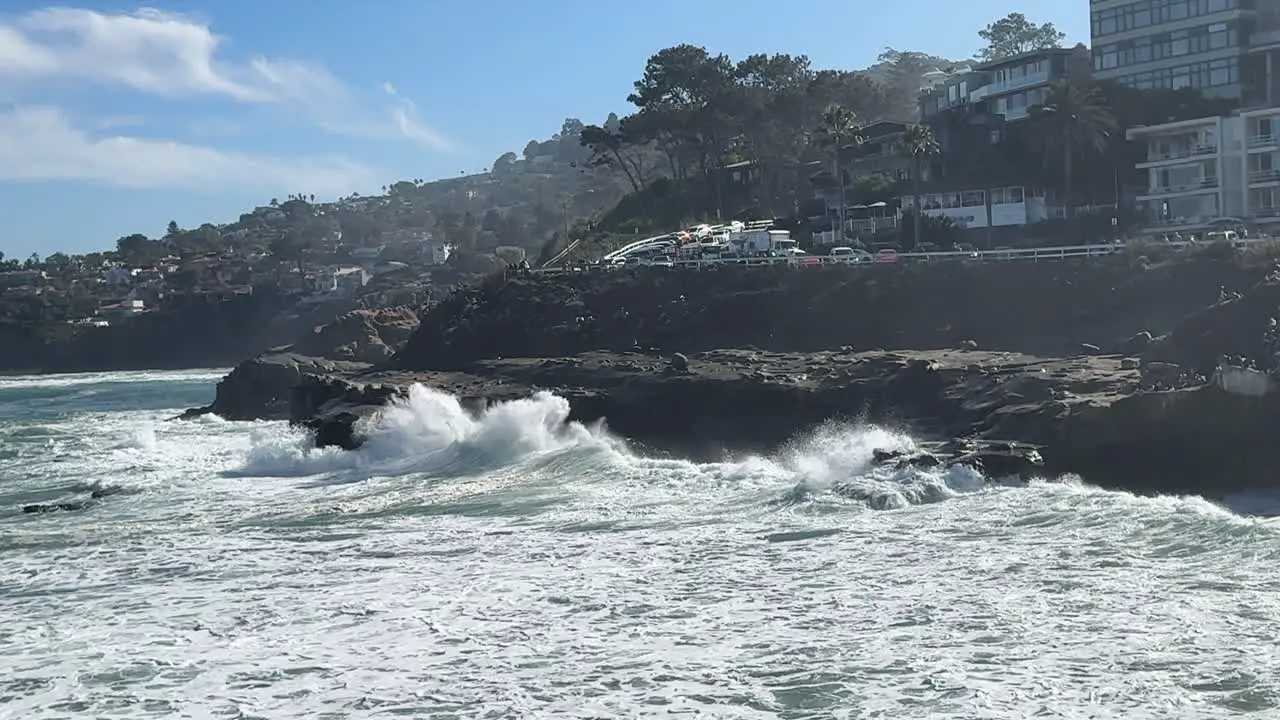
x=972, y=106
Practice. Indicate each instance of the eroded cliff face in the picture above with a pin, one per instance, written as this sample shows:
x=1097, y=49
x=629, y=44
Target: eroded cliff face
x=1049, y=308
x=199, y=334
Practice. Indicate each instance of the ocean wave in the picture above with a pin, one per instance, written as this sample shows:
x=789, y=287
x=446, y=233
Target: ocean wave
x=64, y=380
x=508, y=562
x=430, y=436
x=430, y=432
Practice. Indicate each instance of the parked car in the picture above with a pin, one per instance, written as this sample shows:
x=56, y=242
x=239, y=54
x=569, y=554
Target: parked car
x=850, y=255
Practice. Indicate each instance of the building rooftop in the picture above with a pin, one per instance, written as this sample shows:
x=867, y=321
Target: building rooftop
x=1015, y=59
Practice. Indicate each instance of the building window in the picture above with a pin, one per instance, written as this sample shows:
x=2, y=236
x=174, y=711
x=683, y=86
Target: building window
x=1148, y=13
x=1215, y=73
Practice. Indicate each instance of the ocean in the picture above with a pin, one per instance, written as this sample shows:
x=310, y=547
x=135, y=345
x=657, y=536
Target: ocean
x=504, y=567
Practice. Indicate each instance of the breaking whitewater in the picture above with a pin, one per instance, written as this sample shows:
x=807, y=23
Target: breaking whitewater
x=503, y=566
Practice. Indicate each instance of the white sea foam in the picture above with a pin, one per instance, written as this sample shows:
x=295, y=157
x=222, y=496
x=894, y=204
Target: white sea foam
x=504, y=564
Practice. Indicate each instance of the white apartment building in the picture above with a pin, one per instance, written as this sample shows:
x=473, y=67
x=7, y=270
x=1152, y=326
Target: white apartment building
x=1209, y=168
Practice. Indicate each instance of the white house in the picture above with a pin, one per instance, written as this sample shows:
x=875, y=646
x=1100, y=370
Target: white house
x=1013, y=205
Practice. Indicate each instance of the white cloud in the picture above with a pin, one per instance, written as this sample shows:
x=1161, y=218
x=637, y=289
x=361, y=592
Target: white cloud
x=149, y=51
x=111, y=122
x=405, y=116
x=40, y=144
x=175, y=56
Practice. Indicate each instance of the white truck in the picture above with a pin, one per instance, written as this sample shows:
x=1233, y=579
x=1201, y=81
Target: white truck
x=760, y=241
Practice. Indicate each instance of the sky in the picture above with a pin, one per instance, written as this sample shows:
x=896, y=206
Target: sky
x=116, y=119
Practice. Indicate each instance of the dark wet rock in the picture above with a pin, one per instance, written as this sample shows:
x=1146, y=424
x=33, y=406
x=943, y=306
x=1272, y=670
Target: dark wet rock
x=680, y=363
x=1009, y=462
x=261, y=388
x=1090, y=349
x=40, y=508
x=880, y=457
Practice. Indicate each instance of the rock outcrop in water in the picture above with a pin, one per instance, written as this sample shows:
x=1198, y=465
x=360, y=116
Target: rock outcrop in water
x=1135, y=377
x=262, y=388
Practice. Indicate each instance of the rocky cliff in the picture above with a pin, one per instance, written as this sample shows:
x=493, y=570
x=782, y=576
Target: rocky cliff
x=193, y=335
x=1135, y=376
x=1047, y=308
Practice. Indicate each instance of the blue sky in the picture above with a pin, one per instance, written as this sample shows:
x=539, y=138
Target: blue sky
x=117, y=118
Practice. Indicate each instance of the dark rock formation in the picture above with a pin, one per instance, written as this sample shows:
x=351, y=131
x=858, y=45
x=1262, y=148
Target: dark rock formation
x=196, y=333
x=262, y=388
x=645, y=351
x=1048, y=309
x=366, y=336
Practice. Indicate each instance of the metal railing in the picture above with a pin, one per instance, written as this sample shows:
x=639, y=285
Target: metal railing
x=1001, y=255
x=1182, y=153
x=1207, y=183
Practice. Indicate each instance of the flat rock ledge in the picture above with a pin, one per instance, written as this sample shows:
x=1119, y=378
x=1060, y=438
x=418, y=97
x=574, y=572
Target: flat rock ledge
x=1119, y=422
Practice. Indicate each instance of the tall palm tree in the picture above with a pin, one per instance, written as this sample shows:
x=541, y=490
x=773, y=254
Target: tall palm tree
x=838, y=128
x=918, y=144
x=1075, y=118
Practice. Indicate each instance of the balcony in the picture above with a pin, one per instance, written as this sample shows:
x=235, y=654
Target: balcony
x=1018, y=83
x=1263, y=177
x=1262, y=142
x=1191, y=151
x=1187, y=188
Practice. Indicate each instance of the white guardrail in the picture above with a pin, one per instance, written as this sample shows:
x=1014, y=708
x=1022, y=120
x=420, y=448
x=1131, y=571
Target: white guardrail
x=1006, y=255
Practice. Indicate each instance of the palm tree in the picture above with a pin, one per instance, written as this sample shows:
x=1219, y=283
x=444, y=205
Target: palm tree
x=918, y=144
x=837, y=129
x=1074, y=118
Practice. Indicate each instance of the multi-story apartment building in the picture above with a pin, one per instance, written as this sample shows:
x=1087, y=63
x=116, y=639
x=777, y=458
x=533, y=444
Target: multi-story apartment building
x=1003, y=90
x=971, y=105
x=1223, y=48
x=1206, y=169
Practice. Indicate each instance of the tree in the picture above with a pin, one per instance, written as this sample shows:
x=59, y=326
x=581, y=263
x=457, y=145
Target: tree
x=505, y=164
x=838, y=130
x=137, y=249
x=172, y=228
x=698, y=91
x=918, y=144
x=609, y=149
x=58, y=261
x=900, y=75
x=1074, y=119
x=1014, y=35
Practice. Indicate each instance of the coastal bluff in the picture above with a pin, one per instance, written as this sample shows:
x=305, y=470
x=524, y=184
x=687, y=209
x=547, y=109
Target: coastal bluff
x=196, y=334
x=1026, y=369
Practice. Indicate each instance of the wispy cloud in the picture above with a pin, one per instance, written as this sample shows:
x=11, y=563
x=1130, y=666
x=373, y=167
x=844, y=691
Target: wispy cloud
x=41, y=144
x=405, y=115
x=174, y=56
